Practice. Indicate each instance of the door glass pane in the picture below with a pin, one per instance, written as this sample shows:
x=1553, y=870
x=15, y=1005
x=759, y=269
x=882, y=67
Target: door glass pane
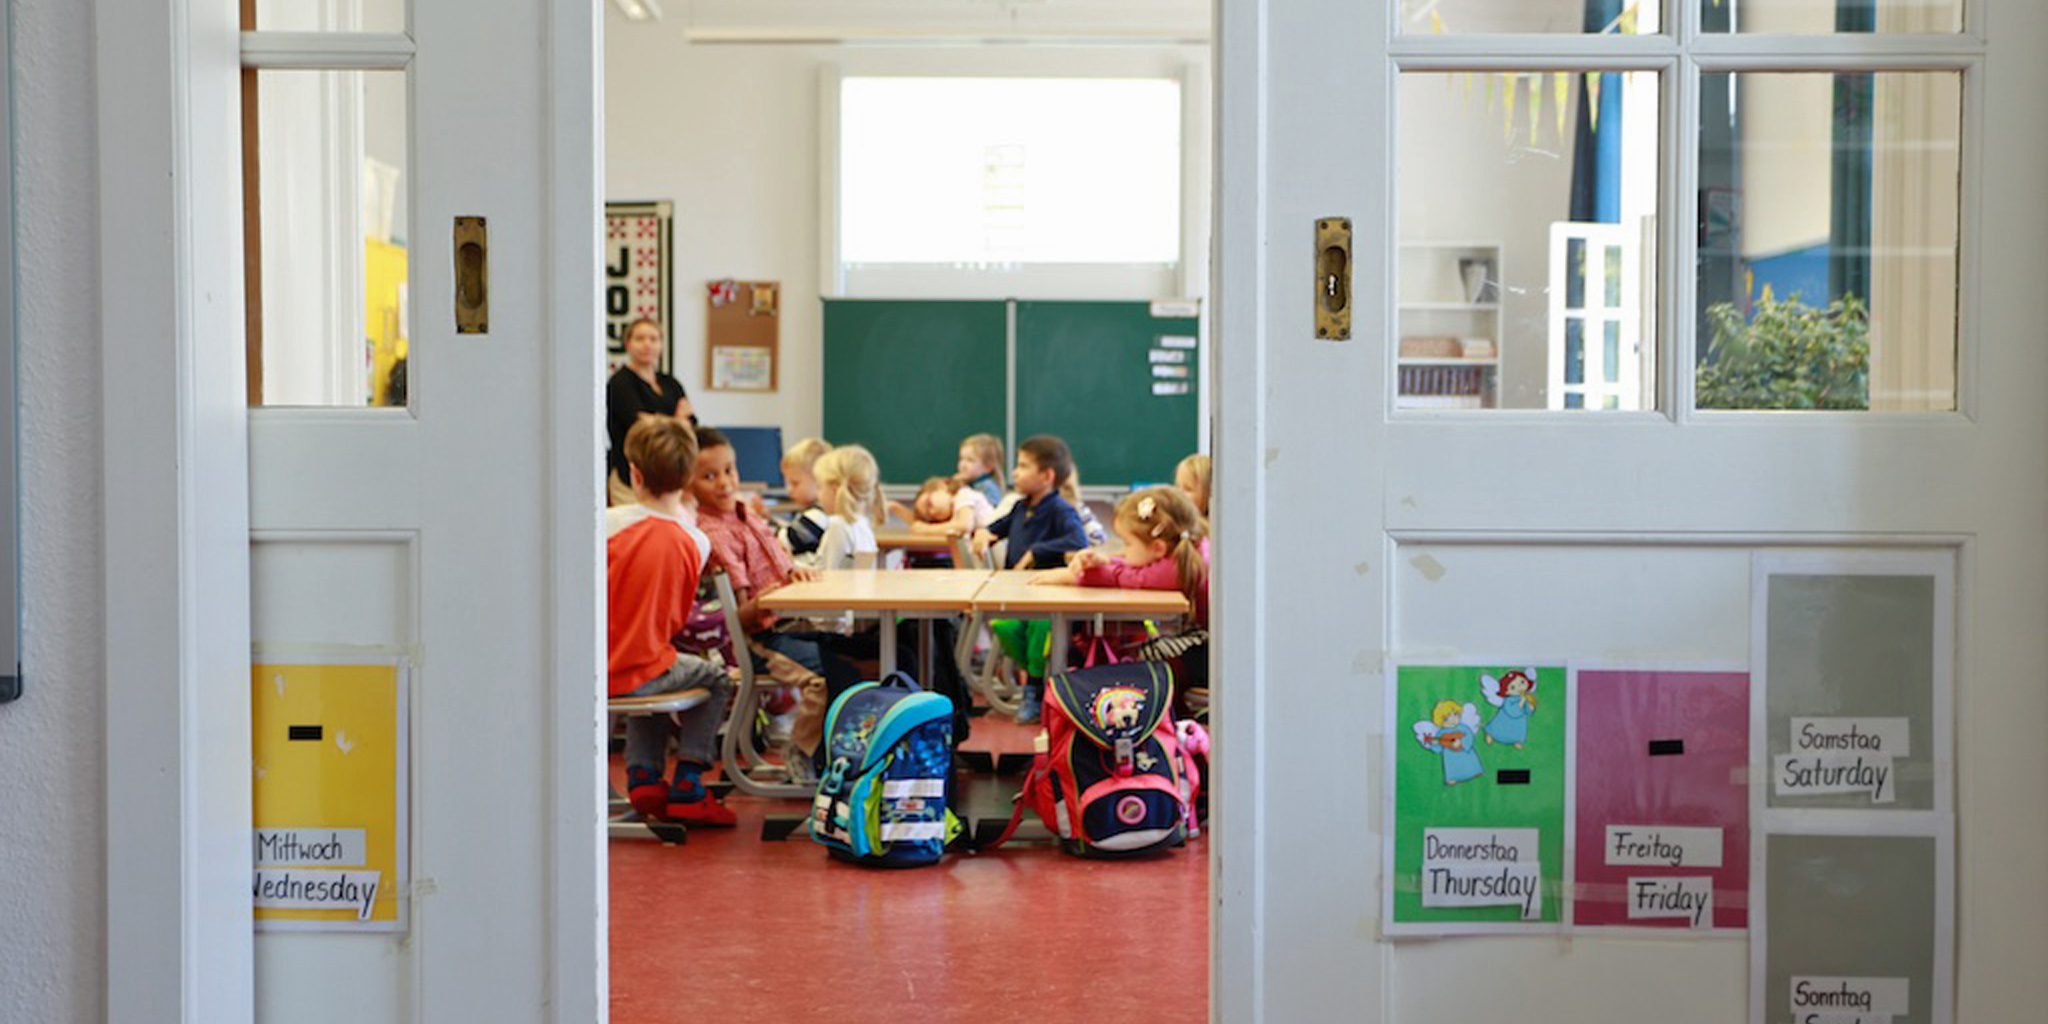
x=1827, y=269
x=330, y=237
x=1574, y=351
x=1524, y=195
x=1583, y=17
x=1819, y=17
x=1575, y=273
x=330, y=15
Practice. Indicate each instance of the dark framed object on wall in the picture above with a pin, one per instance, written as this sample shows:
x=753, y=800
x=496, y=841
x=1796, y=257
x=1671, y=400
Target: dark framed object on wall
x=639, y=275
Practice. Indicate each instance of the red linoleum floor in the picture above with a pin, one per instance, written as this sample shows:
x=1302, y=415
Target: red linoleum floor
x=734, y=930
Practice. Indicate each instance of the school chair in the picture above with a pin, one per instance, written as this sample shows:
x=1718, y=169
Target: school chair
x=625, y=822
x=746, y=767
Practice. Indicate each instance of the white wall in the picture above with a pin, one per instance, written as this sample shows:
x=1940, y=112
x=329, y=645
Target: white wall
x=730, y=133
x=52, y=816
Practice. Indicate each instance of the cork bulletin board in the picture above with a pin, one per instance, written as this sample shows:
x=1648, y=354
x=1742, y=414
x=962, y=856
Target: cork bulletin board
x=742, y=335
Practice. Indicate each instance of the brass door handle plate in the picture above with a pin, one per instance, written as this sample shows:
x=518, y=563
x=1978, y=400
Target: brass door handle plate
x=1333, y=278
x=472, y=276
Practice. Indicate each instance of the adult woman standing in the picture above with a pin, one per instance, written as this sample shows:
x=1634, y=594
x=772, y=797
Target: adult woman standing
x=636, y=390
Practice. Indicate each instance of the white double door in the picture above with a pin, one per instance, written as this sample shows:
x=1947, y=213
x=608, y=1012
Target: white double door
x=462, y=534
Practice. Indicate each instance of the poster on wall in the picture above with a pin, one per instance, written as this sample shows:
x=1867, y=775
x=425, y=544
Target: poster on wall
x=1478, y=768
x=638, y=238
x=330, y=795
x=1661, y=801
x=1857, y=657
x=1853, y=896
x=1854, y=928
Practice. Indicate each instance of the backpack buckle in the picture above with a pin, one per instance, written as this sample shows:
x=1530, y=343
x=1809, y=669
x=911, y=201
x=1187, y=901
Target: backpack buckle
x=1126, y=756
x=835, y=777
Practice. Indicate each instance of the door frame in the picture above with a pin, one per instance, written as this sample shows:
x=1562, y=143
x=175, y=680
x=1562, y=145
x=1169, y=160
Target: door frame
x=180, y=943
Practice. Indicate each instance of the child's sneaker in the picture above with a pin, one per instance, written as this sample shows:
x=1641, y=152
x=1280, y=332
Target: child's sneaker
x=707, y=811
x=646, y=792
x=1027, y=707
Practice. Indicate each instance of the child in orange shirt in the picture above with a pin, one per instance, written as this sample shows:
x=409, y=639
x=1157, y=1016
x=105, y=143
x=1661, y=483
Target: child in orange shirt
x=653, y=561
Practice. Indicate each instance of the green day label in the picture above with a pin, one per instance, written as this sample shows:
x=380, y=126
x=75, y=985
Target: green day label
x=1482, y=867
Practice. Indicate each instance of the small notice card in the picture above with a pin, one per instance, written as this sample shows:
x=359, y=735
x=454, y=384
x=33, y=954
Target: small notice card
x=1481, y=867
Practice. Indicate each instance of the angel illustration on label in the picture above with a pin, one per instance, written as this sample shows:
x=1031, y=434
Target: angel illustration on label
x=1453, y=731
x=1514, y=697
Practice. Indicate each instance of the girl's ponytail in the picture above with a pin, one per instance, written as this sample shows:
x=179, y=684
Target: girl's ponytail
x=1194, y=570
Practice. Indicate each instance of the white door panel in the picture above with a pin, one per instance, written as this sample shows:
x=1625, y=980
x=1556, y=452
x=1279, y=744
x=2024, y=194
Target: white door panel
x=433, y=533
x=1353, y=536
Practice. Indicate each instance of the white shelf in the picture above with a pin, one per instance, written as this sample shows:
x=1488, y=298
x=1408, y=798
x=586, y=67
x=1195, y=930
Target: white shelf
x=1434, y=302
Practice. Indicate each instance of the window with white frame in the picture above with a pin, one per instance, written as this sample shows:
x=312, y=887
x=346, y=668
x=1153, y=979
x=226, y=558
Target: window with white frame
x=1772, y=208
x=1000, y=183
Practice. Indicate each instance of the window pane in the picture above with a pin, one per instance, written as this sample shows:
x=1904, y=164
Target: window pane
x=976, y=171
x=1461, y=17
x=1574, y=351
x=1817, y=17
x=1830, y=212
x=1525, y=199
x=330, y=15
x=330, y=233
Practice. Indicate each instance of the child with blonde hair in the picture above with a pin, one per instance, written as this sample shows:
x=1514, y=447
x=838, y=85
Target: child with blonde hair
x=1166, y=547
x=802, y=531
x=850, y=493
x=981, y=466
x=1192, y=477
x=947, y=507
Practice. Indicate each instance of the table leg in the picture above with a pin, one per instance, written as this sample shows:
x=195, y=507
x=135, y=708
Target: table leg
x=1062, y=637
x=924, y=652
x=888, y=652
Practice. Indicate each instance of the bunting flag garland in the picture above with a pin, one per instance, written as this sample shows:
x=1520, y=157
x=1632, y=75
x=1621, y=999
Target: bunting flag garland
x=1561, y=91
x=1508, y=86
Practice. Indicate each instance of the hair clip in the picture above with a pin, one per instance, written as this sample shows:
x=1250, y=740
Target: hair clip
x=1146, y=506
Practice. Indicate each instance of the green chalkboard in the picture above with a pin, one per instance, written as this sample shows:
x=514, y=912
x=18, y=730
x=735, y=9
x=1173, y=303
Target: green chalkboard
x=1086, y=372
x=910, y=379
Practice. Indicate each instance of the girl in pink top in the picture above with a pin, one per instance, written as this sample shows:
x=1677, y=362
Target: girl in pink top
x=1166, y=547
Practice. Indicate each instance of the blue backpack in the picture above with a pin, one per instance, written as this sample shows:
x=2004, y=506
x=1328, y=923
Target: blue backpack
x=888, y=757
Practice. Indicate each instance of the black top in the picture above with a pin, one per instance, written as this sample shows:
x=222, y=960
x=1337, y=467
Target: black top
x=626, y=396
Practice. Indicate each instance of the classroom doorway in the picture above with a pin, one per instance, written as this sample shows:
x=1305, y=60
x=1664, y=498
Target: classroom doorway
x=797, y=171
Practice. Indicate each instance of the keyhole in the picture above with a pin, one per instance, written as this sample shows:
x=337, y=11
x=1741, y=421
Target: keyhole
x=1335, y=270
x=469, y=279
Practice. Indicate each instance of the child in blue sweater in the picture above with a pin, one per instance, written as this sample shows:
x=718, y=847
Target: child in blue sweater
x=1040, y=529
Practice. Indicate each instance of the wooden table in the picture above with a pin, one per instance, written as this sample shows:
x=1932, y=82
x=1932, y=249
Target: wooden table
x=898, y=538
x=922, y=594
x=926, y=594
x=1009, y=594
